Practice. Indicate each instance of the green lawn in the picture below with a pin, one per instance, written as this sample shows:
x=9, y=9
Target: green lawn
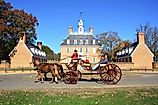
x=75, y=96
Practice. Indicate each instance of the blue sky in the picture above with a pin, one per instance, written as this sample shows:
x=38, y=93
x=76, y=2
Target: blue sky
x=55, y=16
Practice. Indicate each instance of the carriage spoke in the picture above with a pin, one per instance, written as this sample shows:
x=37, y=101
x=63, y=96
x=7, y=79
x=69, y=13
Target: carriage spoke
x=105, y=75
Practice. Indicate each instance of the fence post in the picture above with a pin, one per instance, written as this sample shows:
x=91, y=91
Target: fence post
x=22, y=69
x=5, y=70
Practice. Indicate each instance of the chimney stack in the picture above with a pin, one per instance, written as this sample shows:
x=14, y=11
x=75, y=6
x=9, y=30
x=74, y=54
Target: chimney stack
x=70, y=30
x=140, y=37
x=39, y=44
x=22, y=37
x=91, y=30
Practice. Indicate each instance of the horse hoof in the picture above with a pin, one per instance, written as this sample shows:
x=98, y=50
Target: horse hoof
x=56, y=82
x=36, y=81
x=42, y=81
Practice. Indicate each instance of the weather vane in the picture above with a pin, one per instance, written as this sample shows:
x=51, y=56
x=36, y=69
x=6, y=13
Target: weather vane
x=81, y=14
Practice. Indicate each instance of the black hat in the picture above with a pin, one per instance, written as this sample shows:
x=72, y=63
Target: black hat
x=75, y=50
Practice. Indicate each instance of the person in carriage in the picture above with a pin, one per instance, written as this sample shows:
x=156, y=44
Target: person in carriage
x=87, y=63
x=103, y=60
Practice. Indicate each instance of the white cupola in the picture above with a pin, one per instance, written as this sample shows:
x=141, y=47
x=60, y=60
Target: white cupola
x=80, y=27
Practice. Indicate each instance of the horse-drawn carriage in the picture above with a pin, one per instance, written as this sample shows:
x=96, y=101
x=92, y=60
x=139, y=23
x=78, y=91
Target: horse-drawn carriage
x=109, y=73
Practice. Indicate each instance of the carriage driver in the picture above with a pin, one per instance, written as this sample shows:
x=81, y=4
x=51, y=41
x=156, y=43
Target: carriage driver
x=74, y=55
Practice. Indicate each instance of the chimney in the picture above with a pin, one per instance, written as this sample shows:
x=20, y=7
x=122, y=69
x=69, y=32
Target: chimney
x=70, y=30
x=140, y=37
x=39, y=44
x=22, y=37
x=91, y=30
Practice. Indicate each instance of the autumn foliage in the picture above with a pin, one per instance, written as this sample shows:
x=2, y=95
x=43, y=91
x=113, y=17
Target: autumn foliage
x=12, y=23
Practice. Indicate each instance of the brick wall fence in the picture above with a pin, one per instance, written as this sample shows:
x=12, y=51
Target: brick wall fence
x=131, y=66
x=155, y=65
x=5, y=65
x=122, y=65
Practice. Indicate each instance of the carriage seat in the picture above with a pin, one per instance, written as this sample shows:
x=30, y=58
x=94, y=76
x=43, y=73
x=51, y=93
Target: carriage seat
x=87, y=66
x=74, y=60
x=103, y=64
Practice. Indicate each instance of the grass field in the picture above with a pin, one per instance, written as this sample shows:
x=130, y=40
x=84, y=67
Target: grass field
x=79, y=96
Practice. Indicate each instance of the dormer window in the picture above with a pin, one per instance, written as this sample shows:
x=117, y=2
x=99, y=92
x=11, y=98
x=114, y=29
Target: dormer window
x=93, y=41
x=68, y=41
x=75, y=41
x=81, y=41
x=86, y=42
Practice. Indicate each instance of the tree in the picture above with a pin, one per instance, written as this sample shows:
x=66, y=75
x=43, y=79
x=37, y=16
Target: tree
x=151, y=36
x=108, y=41
x=50, y=53
x=120, y=46
x=57, y=56
x=12, y=23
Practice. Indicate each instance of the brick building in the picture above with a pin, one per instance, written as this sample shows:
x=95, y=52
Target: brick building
x=137, y=55
x=83, y=42
x=23, y=55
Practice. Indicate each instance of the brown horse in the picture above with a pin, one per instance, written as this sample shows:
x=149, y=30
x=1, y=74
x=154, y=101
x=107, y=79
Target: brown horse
x=55, y=69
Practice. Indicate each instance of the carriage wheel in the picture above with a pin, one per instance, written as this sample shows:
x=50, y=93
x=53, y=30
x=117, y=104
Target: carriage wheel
x=71, y=77
x=110, y=73
x=66, y=77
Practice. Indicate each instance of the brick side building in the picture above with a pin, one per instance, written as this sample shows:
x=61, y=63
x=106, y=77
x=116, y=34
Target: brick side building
x=23, y=55
x=137, y=54
x=82, y=41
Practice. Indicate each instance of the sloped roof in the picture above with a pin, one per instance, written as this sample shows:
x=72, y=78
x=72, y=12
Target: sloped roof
x=36, y=51
x=90, y=39
x=127, y=51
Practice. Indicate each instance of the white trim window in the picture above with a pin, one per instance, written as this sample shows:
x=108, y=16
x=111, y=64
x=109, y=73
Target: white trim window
x=80, y=49
x=86, y=50
x=94, y=50
x=68, y=50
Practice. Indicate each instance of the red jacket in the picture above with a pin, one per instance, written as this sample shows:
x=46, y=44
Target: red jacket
x=74, y=56
x=86, y=61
